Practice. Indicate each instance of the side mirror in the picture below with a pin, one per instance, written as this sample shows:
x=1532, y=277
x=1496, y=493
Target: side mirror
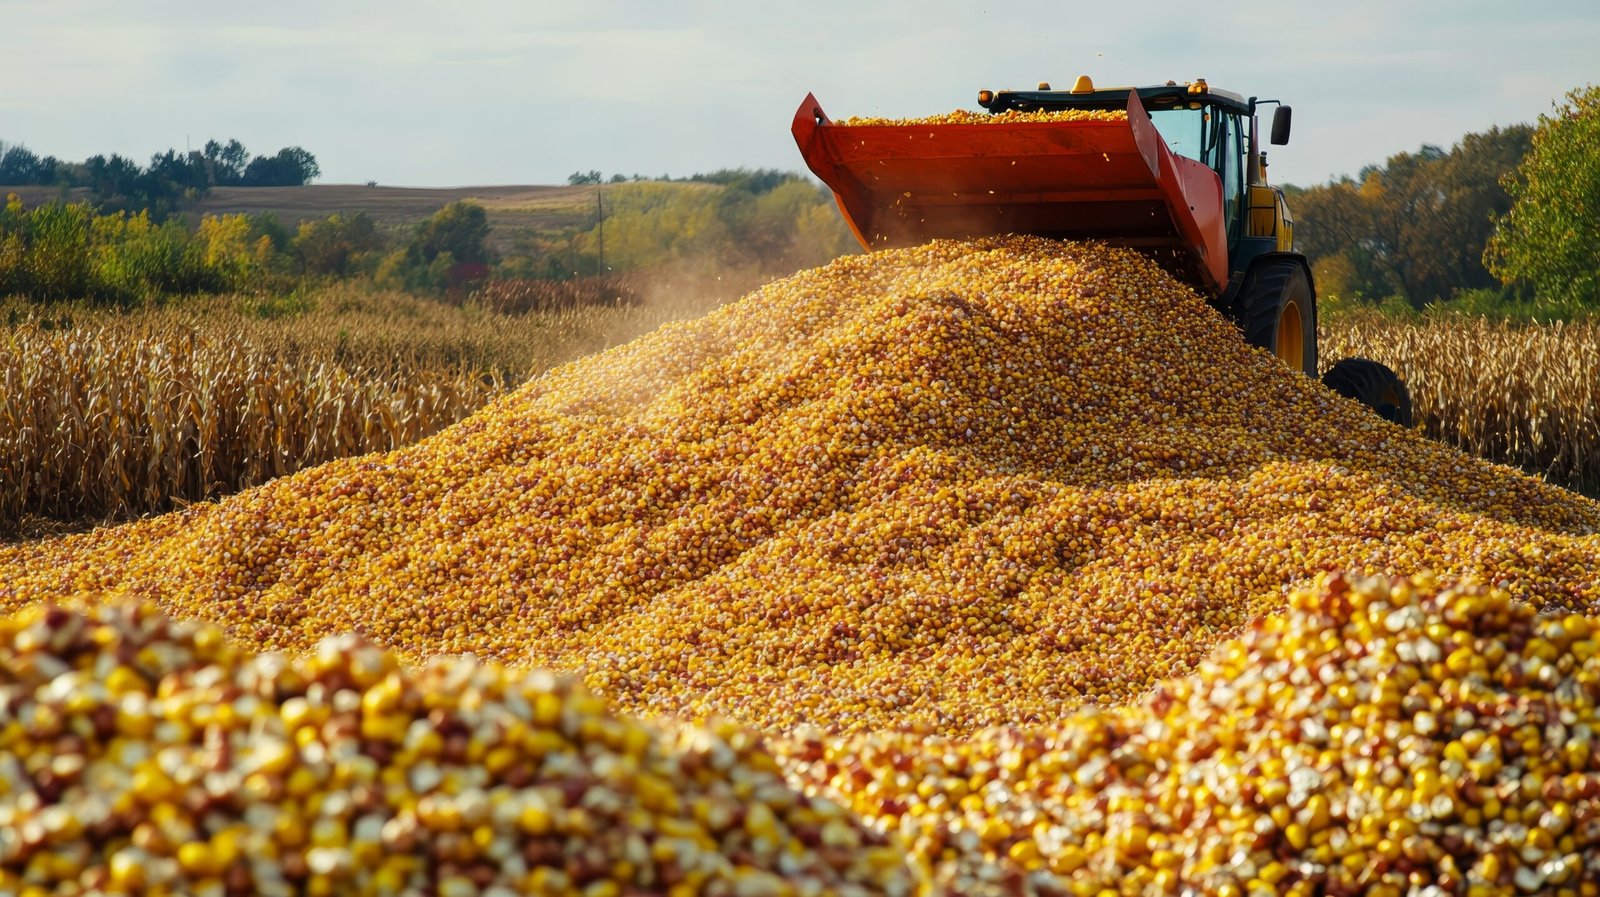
x=1280, y=125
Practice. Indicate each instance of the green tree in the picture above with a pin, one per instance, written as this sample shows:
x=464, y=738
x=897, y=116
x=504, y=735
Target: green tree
x=1473, y=197
x=771, y=222
x=184, y=175
x=1414, y=227
x=460, y=228
x=171, y=182
x=110, y=179
x=266, y=224
x=338, y=245
x=291, y=167
x=47, y=251
x=1550, y=238
x=1408, y=195
x=448, y=251
x=226, y=163
x=20, y=165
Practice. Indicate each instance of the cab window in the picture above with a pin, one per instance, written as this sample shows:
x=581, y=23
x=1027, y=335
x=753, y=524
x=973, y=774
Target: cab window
x=1184, y=130
x=1213, y=138
x=1229, y=160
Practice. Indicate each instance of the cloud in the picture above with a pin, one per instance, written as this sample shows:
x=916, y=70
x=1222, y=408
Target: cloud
x=477, y=91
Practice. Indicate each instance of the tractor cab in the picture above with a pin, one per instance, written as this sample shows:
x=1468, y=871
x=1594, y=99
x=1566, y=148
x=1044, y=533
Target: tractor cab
x=1217, y=128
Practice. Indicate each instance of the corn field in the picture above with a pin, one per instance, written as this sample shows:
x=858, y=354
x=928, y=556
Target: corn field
x=113, y=420
x=525, y=295
x=109, y=417
x=1519, y=394
x=106, y=416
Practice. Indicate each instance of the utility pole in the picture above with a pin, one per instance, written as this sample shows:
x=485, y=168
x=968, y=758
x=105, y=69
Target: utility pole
x=600, y=214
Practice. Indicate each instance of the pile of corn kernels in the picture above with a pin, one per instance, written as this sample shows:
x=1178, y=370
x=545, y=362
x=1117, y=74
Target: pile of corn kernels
x=1377, y=736
x=884, y=511
x=968, y=117
x=956, y=486
x=145, y=756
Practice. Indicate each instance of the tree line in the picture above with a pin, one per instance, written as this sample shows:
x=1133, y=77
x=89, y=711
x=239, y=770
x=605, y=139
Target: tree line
x=171, y=180
x=758, y=180
x=1414, y=227
x=738, y=222
x=73, y=252
x=1504, y=218
x=750, y=220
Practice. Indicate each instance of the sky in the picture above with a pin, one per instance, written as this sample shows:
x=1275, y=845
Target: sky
x=477, y=92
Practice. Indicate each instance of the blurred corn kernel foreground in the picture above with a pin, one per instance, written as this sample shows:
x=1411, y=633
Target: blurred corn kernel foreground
x=143, y=756
x=1375, y=736
x=953, y=487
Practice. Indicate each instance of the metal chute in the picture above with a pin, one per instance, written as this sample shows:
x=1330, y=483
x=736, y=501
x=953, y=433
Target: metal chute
x=1118, y=181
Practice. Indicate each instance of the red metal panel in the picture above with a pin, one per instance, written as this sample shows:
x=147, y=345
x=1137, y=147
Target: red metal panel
x=901, y=185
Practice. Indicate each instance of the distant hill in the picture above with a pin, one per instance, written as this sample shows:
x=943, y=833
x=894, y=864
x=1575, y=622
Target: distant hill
x=513, y=210
x=561, y=206
x=769, y=222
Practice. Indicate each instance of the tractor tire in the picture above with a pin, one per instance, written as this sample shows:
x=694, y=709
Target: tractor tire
x=1278, y=312
x=1374, y=386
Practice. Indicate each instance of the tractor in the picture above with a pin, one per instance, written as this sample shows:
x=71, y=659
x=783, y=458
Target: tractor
x=1181, y=178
